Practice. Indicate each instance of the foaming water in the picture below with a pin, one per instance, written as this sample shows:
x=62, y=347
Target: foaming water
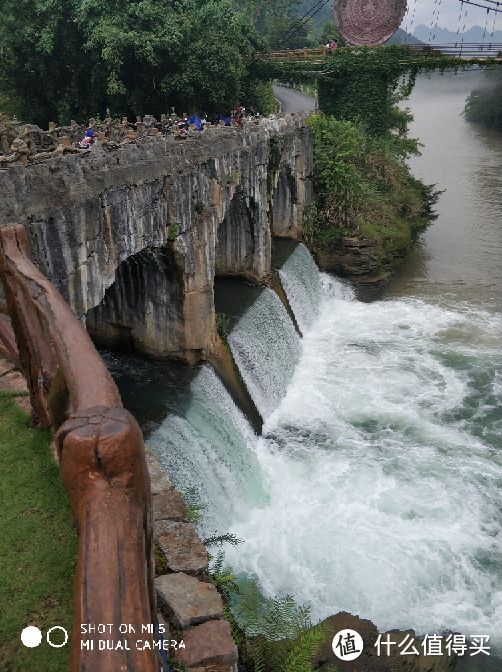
x=376, y=486
x=383, y=468
x=266, y=348
x=300, y=279
x=209, y=447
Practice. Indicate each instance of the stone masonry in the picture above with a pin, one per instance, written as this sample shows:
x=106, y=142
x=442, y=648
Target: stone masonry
x=133, y=234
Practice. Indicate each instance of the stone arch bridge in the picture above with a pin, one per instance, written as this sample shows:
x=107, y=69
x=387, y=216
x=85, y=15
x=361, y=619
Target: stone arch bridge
x=133, y=237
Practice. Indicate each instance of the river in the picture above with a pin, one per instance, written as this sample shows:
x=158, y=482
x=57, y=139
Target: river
x=376, y=486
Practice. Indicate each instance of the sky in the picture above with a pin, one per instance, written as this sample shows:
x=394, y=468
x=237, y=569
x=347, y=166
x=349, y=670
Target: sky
x=449, y=12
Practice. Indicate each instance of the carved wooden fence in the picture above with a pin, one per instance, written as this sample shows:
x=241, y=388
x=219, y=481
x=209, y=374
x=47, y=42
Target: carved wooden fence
x=101, y=453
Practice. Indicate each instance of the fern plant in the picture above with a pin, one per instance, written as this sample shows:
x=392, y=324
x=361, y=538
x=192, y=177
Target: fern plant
x=277, y=632
x=194, y=505
x=272, y=634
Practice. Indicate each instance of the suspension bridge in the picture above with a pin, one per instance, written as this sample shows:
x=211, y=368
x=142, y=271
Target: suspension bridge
x=477, y=53
x=362, y=24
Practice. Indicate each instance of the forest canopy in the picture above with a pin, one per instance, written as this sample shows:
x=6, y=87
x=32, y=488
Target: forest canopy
x=64, y=59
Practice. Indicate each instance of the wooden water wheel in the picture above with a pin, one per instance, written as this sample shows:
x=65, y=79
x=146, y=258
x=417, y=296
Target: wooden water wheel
x=368, y=22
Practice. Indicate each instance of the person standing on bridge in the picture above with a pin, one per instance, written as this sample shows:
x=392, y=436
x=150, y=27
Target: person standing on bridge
x=238, y=114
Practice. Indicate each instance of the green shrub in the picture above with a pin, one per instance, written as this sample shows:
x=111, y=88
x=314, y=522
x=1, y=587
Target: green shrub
x=365, y=188
x=222, y=326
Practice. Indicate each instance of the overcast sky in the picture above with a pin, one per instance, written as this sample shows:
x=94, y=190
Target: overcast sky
x=448, y=15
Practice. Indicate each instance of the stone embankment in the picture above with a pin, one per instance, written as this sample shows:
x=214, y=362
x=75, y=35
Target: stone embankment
x=190, y=607
x=354, y=257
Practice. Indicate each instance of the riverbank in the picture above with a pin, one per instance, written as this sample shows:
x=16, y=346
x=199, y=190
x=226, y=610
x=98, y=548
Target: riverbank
x=369, y=209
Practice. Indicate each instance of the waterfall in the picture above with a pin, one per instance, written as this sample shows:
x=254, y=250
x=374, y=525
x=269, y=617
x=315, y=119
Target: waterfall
x=301, y=281
x=383, y=467
x=379, y=464
x=209, y=446
x=266, y=349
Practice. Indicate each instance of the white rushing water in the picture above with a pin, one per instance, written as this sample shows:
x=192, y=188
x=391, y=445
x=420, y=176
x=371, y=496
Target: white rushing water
x=382, y=468
x=266, y=348
x=210, y=448
x=376, y=487
x=301, y=281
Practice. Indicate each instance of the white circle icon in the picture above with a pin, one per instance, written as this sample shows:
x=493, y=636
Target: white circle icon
x=347, y=645
x=31, y=637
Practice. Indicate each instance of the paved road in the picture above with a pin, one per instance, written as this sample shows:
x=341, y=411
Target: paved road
x=293, y=101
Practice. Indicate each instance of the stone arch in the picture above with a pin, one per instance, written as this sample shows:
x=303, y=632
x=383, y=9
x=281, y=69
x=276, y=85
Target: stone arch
x=145, y=309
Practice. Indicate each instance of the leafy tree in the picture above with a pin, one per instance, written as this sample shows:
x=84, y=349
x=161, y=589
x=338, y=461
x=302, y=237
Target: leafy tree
x=330, y=32
x=484, y=105
x=277, y=22
x=43, y=68
x=76, y=58
x=365, y=188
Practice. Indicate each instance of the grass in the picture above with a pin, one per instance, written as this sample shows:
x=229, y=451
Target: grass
x=38, y=545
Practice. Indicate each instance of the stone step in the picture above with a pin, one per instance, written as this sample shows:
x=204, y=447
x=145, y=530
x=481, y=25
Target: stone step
x=181, y=547
x=209, y=646
x=187, y=601
x=169, y=505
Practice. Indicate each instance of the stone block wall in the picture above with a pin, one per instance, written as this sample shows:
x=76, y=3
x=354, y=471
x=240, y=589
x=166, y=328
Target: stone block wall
x=189, y=606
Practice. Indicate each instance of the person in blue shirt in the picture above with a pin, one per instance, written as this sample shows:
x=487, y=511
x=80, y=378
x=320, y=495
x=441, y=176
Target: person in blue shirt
x=196, y=121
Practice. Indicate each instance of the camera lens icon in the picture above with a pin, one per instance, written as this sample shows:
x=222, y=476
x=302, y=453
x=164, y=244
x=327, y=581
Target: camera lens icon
x=347, y=645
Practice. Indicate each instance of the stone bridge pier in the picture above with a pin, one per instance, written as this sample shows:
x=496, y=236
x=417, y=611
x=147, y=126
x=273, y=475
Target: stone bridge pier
x=134, y=236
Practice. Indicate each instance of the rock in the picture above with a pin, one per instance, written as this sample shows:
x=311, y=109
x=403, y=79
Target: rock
x=140, y=231
x=209, y=646
x=13, y=381
x=368, y=631
x=169, y=505
x=188, y=601
x=166, y=630
x=5, y=366
x=182, y=548
x=369, y=661
x=158, y=479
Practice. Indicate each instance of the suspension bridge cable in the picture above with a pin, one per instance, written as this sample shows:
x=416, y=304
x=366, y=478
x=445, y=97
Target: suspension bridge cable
x=491, y=2
x=493, y=27
x=413, y=17
x=486, y=25
x=311, y=16
x=432, y=20
x=498, y=8
x=437, y=21
x=299, y=23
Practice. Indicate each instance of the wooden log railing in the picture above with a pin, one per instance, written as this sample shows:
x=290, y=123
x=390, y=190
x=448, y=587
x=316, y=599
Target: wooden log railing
x=101, y=454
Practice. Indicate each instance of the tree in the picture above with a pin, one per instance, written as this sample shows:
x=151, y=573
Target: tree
x=43, y=68
x=277, y=22
x=330, y=32
x=76, y=58
x=484, y=105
